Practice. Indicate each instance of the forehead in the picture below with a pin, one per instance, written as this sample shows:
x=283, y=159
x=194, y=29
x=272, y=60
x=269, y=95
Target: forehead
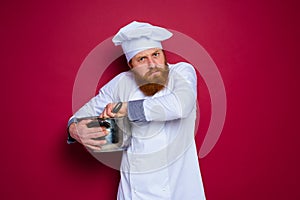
x=147, y=52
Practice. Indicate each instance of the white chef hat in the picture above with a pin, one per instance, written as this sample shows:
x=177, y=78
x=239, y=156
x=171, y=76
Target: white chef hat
x=139, y=36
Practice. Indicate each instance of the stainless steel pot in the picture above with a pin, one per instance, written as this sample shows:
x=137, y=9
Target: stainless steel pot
x=119, y=132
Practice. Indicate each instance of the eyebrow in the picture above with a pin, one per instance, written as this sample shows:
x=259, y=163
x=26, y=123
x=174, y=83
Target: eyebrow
x=139, y=57
x=144, y=55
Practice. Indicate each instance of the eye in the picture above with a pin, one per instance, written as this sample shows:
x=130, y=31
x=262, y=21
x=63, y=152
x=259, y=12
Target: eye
x=156, y=54
x=141, y=59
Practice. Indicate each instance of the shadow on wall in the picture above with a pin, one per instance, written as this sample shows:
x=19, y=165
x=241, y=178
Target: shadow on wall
x=81, y=159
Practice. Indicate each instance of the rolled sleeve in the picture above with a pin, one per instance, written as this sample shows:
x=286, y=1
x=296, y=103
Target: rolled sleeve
x=136, y=111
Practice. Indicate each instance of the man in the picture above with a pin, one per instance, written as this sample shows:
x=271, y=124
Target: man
x=159, y=100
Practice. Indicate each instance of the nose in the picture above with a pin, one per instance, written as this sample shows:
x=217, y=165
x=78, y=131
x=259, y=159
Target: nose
x=151, y=62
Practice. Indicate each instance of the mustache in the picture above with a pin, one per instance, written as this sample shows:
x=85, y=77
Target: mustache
x=157, y=68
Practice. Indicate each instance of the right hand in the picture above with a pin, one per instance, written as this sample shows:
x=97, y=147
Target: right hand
x=107, y=112
x=86, y=136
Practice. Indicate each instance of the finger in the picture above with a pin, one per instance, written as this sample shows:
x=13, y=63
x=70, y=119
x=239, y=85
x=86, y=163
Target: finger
x=96, y=135
x=91, y=137
x=95, y=142
x=84, y=122
x=95, y=130
x=106, y=113
x=94, y=148
x=103, y=114
x=109, y=109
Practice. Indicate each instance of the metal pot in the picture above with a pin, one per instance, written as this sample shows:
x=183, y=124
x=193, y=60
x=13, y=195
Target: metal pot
x=119, y=132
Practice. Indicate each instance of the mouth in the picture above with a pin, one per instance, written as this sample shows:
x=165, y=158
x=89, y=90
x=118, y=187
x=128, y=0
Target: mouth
x=155, y=73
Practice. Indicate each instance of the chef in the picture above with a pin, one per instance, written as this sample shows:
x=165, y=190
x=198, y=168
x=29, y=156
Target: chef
x=159, y=100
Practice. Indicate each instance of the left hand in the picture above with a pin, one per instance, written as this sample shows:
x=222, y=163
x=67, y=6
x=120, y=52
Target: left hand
x=107, y=112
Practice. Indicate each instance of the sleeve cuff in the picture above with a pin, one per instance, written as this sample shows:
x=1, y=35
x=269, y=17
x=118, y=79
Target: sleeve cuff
x=136, y=111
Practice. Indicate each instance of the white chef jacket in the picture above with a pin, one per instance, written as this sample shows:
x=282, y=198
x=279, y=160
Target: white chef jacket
x=161, y=162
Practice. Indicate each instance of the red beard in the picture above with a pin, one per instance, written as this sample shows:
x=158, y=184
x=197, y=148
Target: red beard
x=151, y=88
x=151, y=85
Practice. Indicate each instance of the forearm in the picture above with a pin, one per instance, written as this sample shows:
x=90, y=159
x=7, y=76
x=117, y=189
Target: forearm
x=164, y=108
x=178, y=103
x=169, y=107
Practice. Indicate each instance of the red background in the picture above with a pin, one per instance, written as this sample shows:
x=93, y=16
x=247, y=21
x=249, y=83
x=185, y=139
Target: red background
x=253, y=43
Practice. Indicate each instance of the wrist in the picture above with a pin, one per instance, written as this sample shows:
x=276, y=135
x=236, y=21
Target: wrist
x=72, y=130
x=71, y=133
